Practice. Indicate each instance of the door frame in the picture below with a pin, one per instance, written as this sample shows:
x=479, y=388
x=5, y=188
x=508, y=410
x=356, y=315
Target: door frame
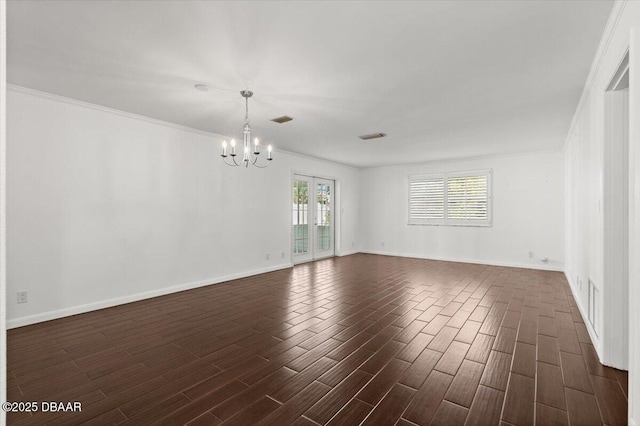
x=337, y=212
x=616, y=219
x=634, y=225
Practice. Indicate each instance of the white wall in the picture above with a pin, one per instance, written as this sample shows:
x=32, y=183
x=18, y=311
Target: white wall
x=584, y=165
x=105, y=207
x=528, y=209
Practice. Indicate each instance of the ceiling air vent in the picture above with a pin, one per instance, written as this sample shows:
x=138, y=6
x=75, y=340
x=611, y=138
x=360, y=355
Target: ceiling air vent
x=372, y=136
x=202, y=87
x=282, y=119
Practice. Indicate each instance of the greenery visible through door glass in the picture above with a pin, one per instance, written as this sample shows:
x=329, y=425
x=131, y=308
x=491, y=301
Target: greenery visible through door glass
x=300, y=212
x=301, y=192
x=323, y=228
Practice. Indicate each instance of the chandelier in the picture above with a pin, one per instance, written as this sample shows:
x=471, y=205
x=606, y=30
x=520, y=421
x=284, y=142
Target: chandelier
x=249, y=156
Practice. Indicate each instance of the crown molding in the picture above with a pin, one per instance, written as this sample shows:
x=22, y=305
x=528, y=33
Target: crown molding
x=603, y=47
x=76, y=102
x=469, y=158
x=322, y=160
x=102, y=108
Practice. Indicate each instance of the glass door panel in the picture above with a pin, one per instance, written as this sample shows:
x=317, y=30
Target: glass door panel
x=324, y=218
x=302, y=219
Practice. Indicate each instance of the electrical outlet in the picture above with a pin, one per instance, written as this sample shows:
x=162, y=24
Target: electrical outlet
x=22, y=297
x=267, y=256
x=282, y=255
x=382, y=244
x=353, y=244
x=530, y=255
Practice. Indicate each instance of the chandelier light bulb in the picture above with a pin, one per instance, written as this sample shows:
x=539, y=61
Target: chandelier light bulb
x=233, y=143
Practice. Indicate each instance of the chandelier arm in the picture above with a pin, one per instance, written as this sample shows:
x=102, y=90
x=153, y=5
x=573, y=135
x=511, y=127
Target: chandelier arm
x=262, y=167
x=254, y=162
x=253, y=159
x=256, y=158
x=230, y=164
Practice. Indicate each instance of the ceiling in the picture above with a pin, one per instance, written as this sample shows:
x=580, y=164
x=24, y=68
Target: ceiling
x=443, y=79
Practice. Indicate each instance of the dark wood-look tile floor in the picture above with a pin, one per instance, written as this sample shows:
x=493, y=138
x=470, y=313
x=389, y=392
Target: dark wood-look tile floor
x=360, y=339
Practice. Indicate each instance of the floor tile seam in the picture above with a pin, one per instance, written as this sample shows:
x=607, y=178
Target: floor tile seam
x=384, y=396
x=506, y=390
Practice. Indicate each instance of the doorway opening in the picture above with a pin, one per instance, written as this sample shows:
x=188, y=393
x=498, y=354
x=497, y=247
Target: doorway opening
x=615, y=292
x=313, y=219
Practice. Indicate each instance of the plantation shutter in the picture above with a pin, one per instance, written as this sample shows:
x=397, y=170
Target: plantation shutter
x=467, y=198
x=461, y=198
x=426, y=199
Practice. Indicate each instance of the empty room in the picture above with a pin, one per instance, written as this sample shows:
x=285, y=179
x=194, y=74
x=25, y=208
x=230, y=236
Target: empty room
x=320, y=213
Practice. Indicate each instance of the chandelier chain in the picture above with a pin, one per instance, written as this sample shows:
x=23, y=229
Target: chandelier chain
x=246, y=110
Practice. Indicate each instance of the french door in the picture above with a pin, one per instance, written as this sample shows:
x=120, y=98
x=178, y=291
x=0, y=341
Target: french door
x=313, y=218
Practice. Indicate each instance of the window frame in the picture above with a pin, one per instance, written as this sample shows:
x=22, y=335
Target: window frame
x=488, y=173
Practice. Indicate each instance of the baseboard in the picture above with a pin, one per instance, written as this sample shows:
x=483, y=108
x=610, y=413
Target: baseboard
x=542, y=267
x=80, y=309
x=348, y=253
x=592, y=334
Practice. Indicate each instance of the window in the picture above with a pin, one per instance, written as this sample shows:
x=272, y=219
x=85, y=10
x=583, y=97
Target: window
x=450, y=199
